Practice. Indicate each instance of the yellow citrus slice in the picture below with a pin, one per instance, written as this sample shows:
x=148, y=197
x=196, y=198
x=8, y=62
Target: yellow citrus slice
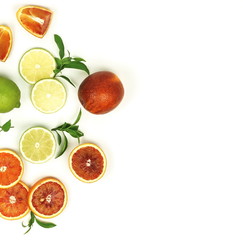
x=37, y=145
x=35, y=19
x=11, y=168
x=6, y=40
x=36, y=64
x=48, y=95
x=47, y=197
x=87, y=162
x=14, y=202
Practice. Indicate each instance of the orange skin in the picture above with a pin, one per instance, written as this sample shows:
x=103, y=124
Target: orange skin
x=101, y=92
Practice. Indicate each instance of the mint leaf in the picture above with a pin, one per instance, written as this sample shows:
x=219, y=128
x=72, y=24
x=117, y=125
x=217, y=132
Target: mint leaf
x=60, y=45
x=6, y=126
x=45, y=224
x=77, y=65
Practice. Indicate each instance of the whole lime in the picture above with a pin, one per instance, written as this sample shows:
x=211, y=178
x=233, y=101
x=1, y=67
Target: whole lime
x=9, y=95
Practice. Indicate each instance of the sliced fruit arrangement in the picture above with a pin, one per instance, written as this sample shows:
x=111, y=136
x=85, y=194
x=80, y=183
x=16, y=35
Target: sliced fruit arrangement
x=36, y=64
x=37, y=145
x=6, y=40
x=11, y=168
x=35, y=19
x=87, y=162
x=14, y=202
x=48, y=95
x=47, y=197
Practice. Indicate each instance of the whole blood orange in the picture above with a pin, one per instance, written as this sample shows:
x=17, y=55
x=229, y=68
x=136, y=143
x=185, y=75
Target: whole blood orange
x=87, y=162
x=101, y=92
x=14, y=202
x=11, y=168
x=35, y=19
x=5, y=42
x=47, y=197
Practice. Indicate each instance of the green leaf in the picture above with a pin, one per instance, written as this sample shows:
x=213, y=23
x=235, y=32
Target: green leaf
x=59, y=63
x=59, y=138
x=6, y=126
x=64, y=146
x=45, y=224
x=31, y=222
x=67, y=79
x=78, y=59
x=78, y=117
x=77, y=65
x=73, y=133
x=60, y=45
x=66, y=60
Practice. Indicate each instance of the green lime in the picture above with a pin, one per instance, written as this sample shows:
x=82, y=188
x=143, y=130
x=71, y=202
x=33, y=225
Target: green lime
x=9, y=95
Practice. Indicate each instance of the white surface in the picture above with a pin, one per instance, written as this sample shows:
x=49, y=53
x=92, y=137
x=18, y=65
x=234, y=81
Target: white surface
x=174, y=144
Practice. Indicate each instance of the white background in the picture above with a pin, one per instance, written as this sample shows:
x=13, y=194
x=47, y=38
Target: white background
x=174, y=144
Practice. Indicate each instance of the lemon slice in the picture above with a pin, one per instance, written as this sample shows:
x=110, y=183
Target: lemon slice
x=37, y=145
x=48, y=95
x=36, y=64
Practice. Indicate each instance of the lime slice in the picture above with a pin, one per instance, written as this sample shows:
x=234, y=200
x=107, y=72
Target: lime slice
x=37, y=145
x=48, y=95
x=36, y=64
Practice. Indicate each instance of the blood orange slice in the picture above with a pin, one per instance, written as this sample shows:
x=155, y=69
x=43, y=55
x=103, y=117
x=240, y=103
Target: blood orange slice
x=47, y=197
x=14, y=202
x=87, y=162
x=35, y=19
x=5, y=42
x=11, y=168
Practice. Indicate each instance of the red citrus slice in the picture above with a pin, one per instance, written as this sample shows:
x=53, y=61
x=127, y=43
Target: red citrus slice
x=35, y=19
x=14, y=202
x=5, y=42
x=47, y=197
x=87, y=162
x=11, y=168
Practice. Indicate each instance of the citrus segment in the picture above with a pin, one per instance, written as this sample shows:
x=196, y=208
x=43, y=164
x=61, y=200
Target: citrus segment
x=48, y=197
x=48, y=95
x=11, y=168
x=5, y=42
x=14, y=202
x=36, y=64
x=87, y=162
x=37, y=145
x=34, y=19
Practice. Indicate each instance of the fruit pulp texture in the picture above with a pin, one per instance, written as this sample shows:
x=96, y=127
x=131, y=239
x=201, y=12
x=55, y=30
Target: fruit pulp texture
x=13, y=200
x=4, y=43
x=48, y=198
x=35, y=19
x=88, y=163
x=10, y=168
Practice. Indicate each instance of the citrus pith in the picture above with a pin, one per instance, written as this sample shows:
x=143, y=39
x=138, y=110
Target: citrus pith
x=36, y=64
x=11, y=168
x=48, y=95
x=87, y=162
x=48, y=197
x=35, y=19
x=14, y=202
x=6, y=40
x=37, y=145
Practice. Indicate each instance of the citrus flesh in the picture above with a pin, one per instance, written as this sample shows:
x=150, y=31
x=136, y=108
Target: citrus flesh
x=9, y=95
x=47, y=197
x=37, y=145
x=35, y=19
x=48, y=95
x=11, y=168
x=14, y=202
x=36, y=64
x=5, y=42
x=87, y=162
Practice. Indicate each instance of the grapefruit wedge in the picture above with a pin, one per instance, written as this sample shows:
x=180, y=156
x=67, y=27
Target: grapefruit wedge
x=35, y=19
x=14, y=202
x=87, y=162
x=11, y=168
x=47, y=198
x=5, y=42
